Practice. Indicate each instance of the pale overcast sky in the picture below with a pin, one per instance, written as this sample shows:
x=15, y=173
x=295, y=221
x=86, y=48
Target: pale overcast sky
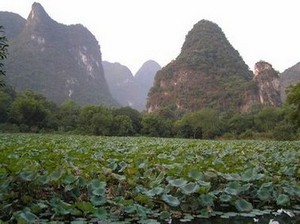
x=134, y=31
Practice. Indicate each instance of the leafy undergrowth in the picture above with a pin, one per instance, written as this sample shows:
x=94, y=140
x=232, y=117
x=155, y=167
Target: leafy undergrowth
x=120, y=179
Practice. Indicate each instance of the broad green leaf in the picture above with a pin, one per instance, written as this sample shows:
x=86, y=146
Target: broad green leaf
x=98, y=200
x=70, y=179
x=171, y=200
x=206, y=200
x=100, y=213
x=98, y=191
x=177, y=182
x=195, y=174
x=86, y=207
x=27, y=175
x=43, y=179
x=164, y=215
x=56, y=175
x=26, y=217
x=283, y=200
x=60, y=207
x=264, y=194
x=243, y=206
x=225, y=198
x=155, y=191
x=189, y=188
x=296, y=191
x=232, y=176
x=233, y=188
x=97, y=184
x=119, y=177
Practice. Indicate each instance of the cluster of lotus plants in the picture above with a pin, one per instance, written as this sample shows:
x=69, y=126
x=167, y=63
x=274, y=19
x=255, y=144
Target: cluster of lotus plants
x=54, y=178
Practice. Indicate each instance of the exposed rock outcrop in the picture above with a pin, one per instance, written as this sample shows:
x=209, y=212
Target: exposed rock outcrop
x=268, y=83
x=59, y=61
x=209, y=72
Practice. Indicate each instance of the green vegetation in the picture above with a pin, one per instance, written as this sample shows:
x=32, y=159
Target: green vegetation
x=3, y=54
x=293, y=100
x=81, y=178
x=31, y=112
x=209, y=72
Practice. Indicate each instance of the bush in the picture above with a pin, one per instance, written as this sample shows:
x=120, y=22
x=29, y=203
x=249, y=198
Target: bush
x=8, y=127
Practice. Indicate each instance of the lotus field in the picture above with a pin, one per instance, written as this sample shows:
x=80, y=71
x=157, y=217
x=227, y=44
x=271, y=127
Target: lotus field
x=80, y=179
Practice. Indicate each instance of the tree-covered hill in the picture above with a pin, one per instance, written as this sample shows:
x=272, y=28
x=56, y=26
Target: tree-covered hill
x=209, y=72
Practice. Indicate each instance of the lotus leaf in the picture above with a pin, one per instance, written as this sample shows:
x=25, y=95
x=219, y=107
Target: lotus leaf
x=283, y=200
x=206, y=200
x=27, y=175
x=264, y=194
x=171, y=200
x=189, y=188
x=225, y=198
x=243, y=206
x=195, y=174
x=177, y=182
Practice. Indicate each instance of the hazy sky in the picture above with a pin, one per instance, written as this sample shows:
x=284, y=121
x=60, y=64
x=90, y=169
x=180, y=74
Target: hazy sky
x=134, y=31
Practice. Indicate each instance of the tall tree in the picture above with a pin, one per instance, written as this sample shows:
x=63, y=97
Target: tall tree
x=31, y=110
x=3, y=54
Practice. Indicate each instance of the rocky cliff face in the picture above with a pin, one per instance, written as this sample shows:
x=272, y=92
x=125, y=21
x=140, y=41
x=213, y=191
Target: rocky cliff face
x=289, y=77
x=61, y=62
x=268, y=82
x=209, y=72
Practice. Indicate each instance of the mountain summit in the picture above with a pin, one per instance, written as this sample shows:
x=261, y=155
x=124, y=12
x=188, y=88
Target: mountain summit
x=209, y=72
x=38, y=15
x=59, y=61
x=145, y=77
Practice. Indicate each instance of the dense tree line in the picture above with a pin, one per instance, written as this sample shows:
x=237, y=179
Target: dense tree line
x=31, y=112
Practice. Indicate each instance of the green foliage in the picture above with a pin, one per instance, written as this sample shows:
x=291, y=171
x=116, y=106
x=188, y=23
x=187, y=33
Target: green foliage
x=154, y=125
x=31, y=110
x=3, y=54
x=205, y=124
x=51, y=178
x=208, y=73
x=7, y=96
x=293, y=101
x=134, y=116
x=121, y=126
x=67, y=116
x=95, y=120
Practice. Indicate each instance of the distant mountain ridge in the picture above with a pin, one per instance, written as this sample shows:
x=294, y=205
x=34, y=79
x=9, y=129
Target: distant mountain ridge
x=59, y=61
x=13, y=24
x=145, y=77
x=127, y=89
x=289, y=77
